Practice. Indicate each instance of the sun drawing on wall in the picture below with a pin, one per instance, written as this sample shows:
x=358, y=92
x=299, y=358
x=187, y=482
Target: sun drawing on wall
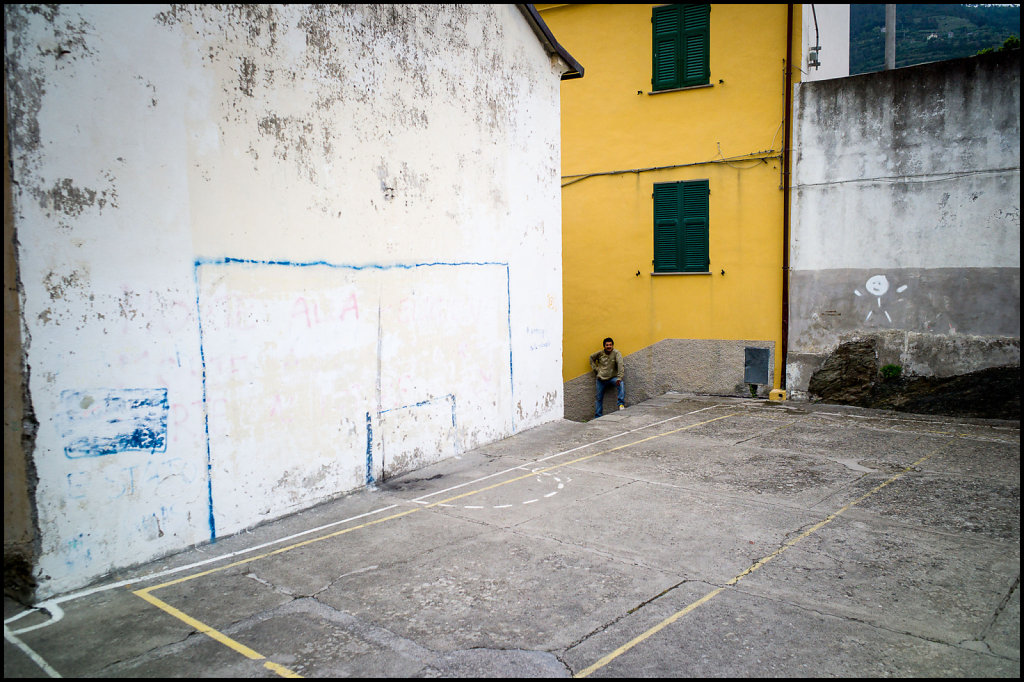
x=877, y=286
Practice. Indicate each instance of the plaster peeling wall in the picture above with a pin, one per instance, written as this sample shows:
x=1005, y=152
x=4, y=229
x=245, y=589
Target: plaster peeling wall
x=906, y=217
x=272, y=253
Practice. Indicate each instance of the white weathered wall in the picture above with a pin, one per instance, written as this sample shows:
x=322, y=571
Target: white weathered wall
x=833, y=35
x=271, y=253
x=906, y=217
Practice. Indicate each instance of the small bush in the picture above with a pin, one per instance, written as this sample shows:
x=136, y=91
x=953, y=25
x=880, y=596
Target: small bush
x=891, y=371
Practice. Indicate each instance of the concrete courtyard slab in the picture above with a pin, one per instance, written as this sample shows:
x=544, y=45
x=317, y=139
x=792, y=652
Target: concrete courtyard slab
x=684, y=536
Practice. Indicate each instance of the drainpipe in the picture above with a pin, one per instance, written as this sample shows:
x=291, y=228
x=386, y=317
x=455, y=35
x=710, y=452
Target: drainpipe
x=785, y=193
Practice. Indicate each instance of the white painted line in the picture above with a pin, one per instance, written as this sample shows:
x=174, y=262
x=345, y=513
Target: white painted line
x=842, y=415
x=419, y=500
x=551, y=493
x=36, y=658
x=530, y=501
x=50, y=606
x=473, y=506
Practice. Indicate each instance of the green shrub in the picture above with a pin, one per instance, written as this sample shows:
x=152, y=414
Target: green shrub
x=891, y=371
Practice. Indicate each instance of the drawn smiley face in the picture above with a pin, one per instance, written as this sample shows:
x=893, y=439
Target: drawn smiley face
x=877, y=285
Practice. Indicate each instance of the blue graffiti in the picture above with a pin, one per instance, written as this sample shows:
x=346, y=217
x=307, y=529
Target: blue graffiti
x=106, y=421
x=77, y=551
x=369, y=451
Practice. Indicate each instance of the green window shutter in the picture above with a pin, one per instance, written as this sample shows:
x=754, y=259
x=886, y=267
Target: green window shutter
x=667, y=21
x=666, y=227
x=681, y=227
x=681, y=46
x=696, y=67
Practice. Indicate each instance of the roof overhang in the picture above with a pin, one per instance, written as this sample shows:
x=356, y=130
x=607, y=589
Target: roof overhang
x=544, y=35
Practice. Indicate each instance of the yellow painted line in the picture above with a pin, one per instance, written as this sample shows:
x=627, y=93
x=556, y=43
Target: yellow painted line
x=605, y=660
x=280, y=550
x=205, y=629
x=280, y=669
x=284, y=672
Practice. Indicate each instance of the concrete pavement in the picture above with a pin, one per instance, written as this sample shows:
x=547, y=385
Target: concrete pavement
x=685, y=536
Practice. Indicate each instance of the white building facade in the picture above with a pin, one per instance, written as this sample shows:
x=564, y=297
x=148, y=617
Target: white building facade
x=825, y=38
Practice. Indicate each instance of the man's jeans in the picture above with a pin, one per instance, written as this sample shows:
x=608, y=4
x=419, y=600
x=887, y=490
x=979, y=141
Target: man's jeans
x=602, y=384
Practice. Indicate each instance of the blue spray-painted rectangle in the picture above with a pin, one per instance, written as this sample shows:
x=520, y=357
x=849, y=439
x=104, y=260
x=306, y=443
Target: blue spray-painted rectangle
x=229, y=261
x=105, y=421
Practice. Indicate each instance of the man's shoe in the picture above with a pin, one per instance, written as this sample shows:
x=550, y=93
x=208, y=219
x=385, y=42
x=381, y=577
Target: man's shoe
x=622, y=407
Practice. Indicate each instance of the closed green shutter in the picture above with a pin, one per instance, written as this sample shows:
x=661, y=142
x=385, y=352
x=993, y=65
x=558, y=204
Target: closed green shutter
x=681, y=227
x=680, y=43
x=667, y=38
x=694, y=217
x=696, y=68
x=666, y=227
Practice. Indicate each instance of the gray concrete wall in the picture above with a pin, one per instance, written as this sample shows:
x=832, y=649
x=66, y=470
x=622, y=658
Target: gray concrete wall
x=906, y=217
x=702, y=366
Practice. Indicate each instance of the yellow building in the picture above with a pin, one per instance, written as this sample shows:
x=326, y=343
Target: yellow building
x=673, y=201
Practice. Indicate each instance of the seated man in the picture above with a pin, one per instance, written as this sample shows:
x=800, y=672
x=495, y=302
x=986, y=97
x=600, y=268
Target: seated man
x=608, y=366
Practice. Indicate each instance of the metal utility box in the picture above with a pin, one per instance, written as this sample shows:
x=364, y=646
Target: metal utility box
x=756, y=364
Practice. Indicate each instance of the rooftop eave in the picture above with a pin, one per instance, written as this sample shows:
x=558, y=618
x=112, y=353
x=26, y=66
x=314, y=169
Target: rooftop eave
x=543, y=33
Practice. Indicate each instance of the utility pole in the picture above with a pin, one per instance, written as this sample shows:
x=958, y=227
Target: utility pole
x=890, y=37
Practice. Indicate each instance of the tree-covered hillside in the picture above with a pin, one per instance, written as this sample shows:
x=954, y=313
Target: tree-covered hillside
x=928, y=33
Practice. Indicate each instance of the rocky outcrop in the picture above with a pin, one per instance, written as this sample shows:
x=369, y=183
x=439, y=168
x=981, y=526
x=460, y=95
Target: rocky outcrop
x=850, y=376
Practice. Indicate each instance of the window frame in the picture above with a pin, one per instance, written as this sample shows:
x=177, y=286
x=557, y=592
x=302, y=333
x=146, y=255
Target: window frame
x=677, y=33
x=682, y=227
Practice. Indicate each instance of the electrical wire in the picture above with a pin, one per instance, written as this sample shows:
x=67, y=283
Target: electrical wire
x=921, y=177
x=761, y=157
x=726, y=161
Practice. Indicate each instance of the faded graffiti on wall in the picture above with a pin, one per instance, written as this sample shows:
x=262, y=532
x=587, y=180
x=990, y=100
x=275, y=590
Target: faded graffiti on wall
x=317, y=378
x=320, y=377
x=106, y=421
